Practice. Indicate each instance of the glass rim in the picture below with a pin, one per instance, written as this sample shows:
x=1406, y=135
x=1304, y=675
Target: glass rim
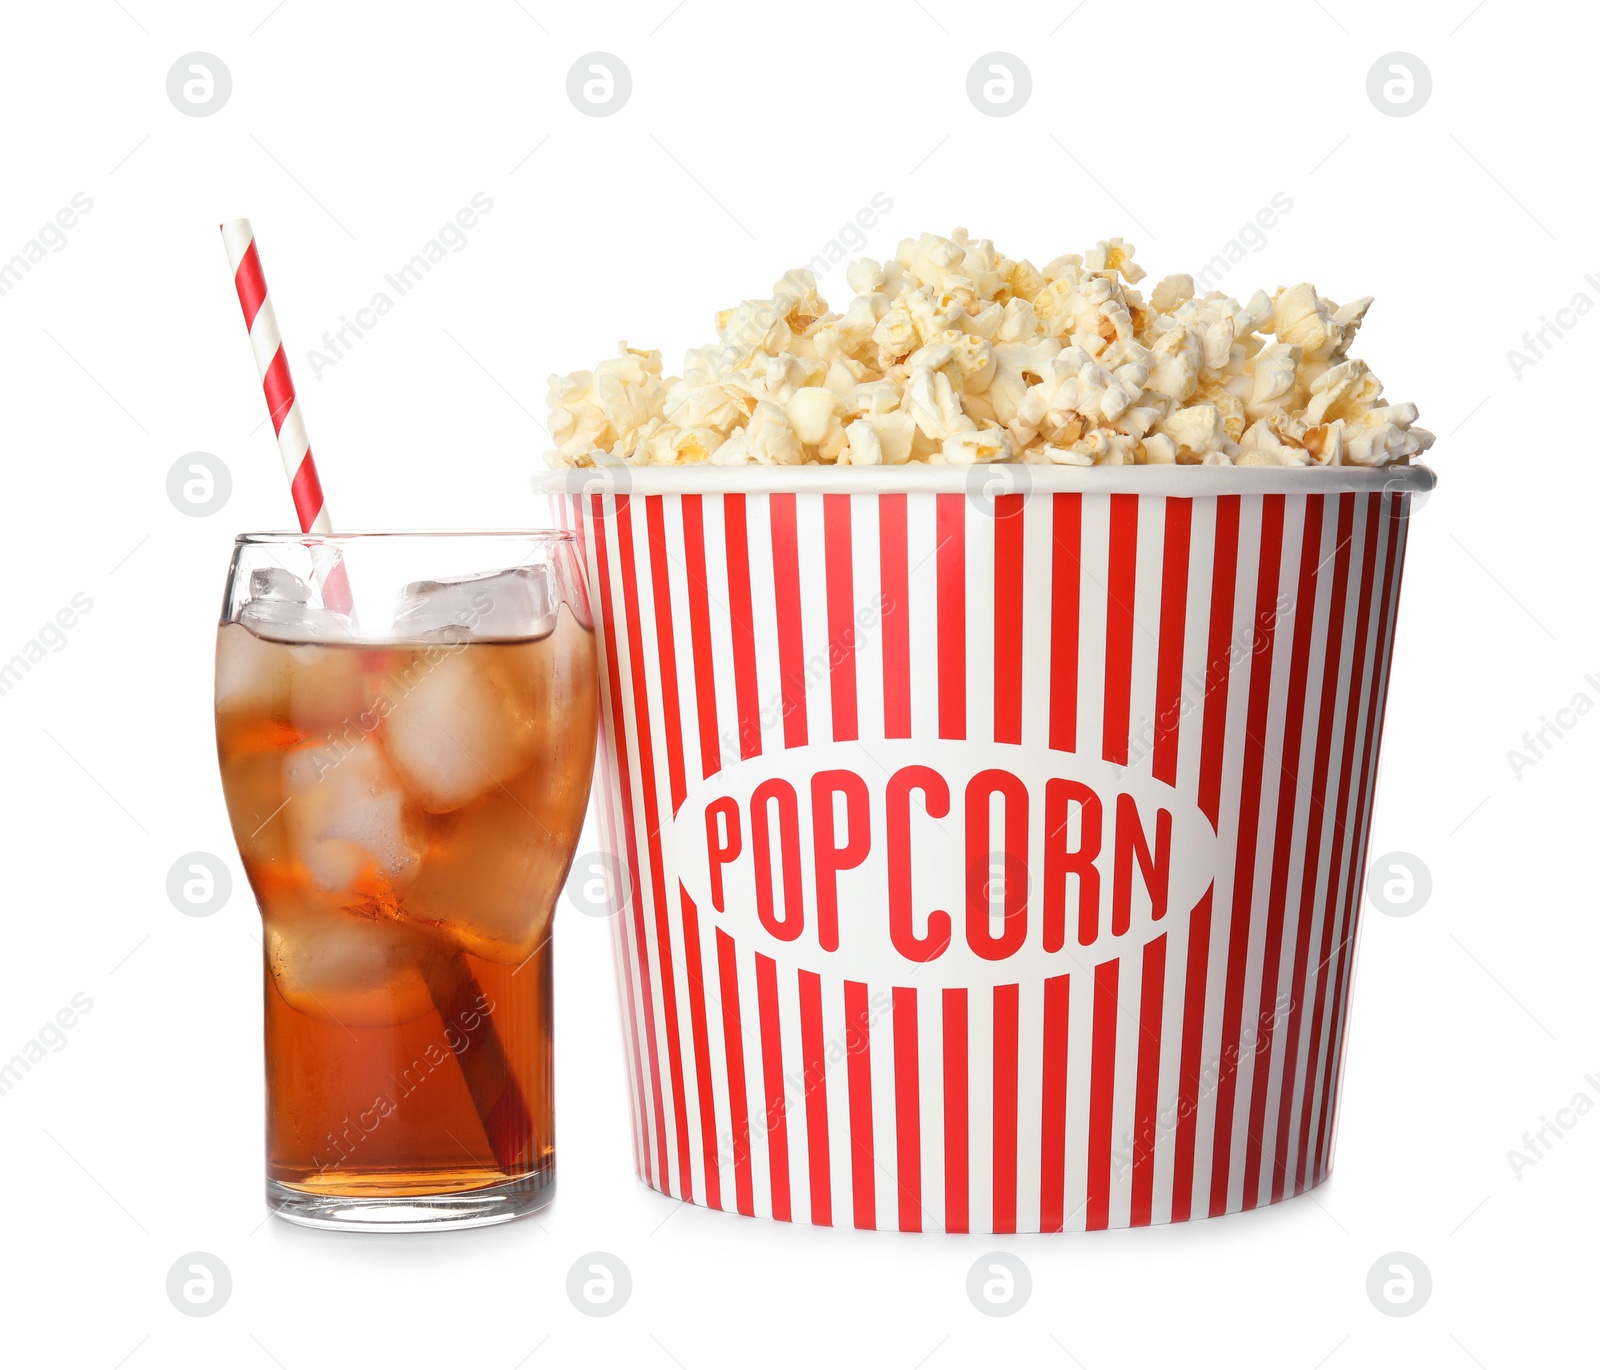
x=419, y=534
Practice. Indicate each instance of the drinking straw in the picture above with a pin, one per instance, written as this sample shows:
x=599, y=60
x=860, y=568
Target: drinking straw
x=454, y=989
x=272, y=363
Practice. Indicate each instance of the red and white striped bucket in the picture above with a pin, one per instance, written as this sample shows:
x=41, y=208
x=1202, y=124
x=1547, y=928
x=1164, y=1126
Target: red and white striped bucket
x=994, y=858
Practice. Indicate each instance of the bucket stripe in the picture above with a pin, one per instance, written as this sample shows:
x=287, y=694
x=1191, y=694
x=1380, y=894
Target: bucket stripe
x=609, y=790
x=666, y=647
x=1151, y=992
x=841, y=617
x=955, y=1046
x=1009, y=574
x=664, y=983
x=741, y=623
x=705, y=681
x=636, y=982
x=1121, y=575
x=907, y=1110
x=816, y=1065
x=692, y=954
x=1333, y=629
x=738, y=1099
x=896, y=616
x=1261, y=641
x=777, y=1111
x=1288, y=799
x=697, y=593
x=1005, y=1108
x=672, y=732
x=1169, y=670
x=1143, y=630
x=1053, y=1120
x=1066, y=572
x=1214, y=707
x=1360, y=827
x=672, y=725
x=1328, y=966
x=1351, y=675
x=1101, y=1083
x=1337, y=971
x=863, y=1182
x=791, y=650
x=951, y=567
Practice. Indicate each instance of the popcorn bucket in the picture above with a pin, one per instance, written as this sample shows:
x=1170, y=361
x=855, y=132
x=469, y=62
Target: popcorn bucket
x=992, y=839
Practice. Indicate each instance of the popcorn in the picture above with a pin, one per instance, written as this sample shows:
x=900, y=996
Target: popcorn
x=862, y=447
x=772, y=441
x=989, y=443
x=609, y=405
x=1260, y=446
x=1172, y=292
x=931, y=401
x=951, y=353
x=1198, y=431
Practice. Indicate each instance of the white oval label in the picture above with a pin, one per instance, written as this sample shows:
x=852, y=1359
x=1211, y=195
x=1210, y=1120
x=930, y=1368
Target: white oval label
x=946, y=860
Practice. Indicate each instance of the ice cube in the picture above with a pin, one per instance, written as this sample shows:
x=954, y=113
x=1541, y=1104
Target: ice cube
x=495, y=867
x=462, y=721
x=280, y=608
x=284, y=620
x=492, y=876
x=252, y=674
x=497, y=606
x=264, y=685
x=355, y=968
x=350, y=823
x=277, y=583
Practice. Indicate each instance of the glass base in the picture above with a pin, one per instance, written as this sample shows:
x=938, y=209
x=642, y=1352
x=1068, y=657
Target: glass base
x=413, y=1212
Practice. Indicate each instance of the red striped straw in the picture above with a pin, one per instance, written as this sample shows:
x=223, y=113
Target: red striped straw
x=272, y=362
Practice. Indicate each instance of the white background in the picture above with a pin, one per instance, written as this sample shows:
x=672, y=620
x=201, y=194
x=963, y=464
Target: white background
x=752, y=134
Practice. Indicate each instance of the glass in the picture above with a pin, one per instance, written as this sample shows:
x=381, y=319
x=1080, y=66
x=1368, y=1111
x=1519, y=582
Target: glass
x=406, y=782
